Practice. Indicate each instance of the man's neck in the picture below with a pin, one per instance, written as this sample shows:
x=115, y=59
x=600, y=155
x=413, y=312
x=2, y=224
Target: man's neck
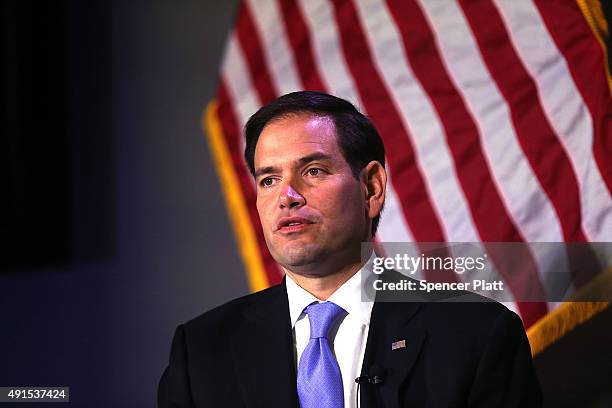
x=322, y=287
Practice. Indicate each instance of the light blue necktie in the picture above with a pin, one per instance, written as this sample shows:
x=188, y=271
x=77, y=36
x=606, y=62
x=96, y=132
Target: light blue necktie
x=319, y=381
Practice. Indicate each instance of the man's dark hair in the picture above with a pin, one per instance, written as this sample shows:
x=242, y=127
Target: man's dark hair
x=357, y=137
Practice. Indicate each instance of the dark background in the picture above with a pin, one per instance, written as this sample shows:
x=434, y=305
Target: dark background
x=112, y=225
x=112, y=222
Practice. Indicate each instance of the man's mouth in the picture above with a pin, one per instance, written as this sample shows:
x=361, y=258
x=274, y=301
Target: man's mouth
x=292, y=224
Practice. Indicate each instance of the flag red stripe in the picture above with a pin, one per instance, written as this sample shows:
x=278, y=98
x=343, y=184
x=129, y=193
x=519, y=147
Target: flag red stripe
x=251, y=45
x=407, y=178
x=538, y=140
x=493, y=222
x=301, y=45
x=531, y=312
x=586, y=61
x=232, y=134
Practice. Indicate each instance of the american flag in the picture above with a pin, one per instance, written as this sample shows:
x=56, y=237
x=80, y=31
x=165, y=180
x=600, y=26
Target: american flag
x=496, y=116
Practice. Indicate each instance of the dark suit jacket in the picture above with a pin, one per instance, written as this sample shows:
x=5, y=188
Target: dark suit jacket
x=456, y=355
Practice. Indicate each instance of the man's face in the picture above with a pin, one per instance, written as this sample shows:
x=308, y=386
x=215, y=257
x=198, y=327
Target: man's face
x=312, y=209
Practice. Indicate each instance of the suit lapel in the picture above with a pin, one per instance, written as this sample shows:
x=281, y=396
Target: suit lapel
x=391, y=322
x=262, y=351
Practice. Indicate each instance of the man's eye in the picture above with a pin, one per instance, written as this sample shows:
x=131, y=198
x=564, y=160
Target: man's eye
x=314, y=171
x=267, y=182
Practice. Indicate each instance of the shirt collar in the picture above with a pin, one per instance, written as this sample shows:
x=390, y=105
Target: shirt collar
x=347, y=296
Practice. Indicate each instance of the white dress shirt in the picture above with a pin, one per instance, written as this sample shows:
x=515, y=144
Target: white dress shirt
x=347, y=340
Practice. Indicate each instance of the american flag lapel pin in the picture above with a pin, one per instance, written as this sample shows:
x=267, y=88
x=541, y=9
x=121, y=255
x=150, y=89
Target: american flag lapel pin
x=398, y=344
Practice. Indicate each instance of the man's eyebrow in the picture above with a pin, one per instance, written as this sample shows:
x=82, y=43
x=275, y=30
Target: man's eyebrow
x=300, y=162
x=313, y=157
x=266, y=170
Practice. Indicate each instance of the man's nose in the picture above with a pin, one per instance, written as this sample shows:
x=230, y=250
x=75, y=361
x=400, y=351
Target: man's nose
x=290, y=197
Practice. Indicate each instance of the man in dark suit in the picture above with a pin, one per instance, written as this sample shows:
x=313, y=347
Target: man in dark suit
x=319, y=167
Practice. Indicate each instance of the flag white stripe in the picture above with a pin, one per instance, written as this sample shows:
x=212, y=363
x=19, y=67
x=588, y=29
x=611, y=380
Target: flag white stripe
x=241, y=92
x=567, y=112
x=392, y=226
x=420, y=117
x=519, y=187
x=320, y=20
x=277, y=52
x=238, y=81
x=421, y=120
x=424, y=125
x=326, y=44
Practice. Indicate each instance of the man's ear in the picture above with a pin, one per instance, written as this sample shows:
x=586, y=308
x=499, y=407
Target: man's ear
x=374, y=177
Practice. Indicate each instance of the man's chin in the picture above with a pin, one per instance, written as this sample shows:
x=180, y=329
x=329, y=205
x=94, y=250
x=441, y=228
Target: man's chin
x=296, y=262
x=298, y=257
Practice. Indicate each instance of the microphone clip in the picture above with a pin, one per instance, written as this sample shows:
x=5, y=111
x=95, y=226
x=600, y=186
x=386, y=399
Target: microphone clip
x=368, y=379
